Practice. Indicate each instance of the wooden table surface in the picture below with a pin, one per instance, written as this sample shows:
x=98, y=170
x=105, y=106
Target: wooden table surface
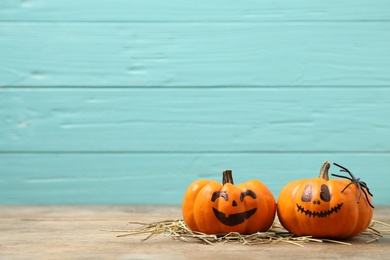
x=77, y=232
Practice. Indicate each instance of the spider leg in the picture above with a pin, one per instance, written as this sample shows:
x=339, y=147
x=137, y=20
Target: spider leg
x=361, y=184
x=365, y=186
x=360, y=191
x=369, y=192
x=342, y=167
x=345, y=170
x=347, y=186
x=340, y=176
x=367, y=198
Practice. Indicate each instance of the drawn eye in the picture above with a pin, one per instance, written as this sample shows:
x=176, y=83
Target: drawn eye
x=247, y=193
x=307, y=194
x=325, y=193
x=218, y=194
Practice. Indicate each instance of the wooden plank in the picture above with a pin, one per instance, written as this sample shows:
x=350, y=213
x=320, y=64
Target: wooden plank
x=162, y=178
x=202, y=10
x=82, y=232
x=195, y=120
x=194, y=54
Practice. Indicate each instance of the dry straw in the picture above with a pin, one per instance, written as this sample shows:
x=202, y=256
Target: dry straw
x=178, y=230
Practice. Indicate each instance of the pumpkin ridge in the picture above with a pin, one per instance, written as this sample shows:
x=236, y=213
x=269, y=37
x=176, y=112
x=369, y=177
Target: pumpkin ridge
x=214, y=208
x=323, y=207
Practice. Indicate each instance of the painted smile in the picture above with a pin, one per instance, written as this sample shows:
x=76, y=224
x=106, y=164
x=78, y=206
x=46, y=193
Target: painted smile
x=233, y=219
x=321, y=214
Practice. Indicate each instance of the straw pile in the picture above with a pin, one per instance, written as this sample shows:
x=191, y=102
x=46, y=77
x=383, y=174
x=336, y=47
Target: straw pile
x=178, y=230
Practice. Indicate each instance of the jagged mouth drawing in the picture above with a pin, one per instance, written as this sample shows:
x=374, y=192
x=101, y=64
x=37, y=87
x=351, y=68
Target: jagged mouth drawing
x=321, y=214
x=233, y=219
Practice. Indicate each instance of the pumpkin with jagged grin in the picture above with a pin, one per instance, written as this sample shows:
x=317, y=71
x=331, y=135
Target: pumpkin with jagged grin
x=325, y=208
x=214, y=208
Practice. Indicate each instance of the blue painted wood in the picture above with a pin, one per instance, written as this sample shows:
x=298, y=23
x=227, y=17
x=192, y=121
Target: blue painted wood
x=129, y=101
x=194, y=54
x=195, y=120
x=161, y=178
x=185, y=10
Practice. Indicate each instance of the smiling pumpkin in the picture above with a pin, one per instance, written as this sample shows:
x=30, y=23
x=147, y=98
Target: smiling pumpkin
x=324, y=197
x=326, y=208
x=235, y=218
x=214, y=208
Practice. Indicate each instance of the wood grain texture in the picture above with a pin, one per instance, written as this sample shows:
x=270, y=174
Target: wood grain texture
x=194, y=54
x=195, y=120
x=161, y=178
x=81, y=232
x=128, y=101
x=189, y=11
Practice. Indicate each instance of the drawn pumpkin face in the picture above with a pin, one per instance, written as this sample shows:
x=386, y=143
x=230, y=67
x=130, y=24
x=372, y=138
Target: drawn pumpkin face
x=214, y=208
x=234, y=218
x=315, y=202
x=325, y=208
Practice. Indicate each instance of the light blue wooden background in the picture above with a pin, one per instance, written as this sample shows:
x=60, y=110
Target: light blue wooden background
x=129, y=101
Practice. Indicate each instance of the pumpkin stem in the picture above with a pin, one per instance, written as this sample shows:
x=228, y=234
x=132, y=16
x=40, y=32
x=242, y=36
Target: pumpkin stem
x=324, y=171
x=227, y=177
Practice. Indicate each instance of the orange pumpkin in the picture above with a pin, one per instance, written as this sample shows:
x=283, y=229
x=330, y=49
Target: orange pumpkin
x=325, y=208
x=214, y=208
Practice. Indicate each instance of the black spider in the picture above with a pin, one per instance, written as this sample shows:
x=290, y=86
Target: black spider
x=353, y=180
